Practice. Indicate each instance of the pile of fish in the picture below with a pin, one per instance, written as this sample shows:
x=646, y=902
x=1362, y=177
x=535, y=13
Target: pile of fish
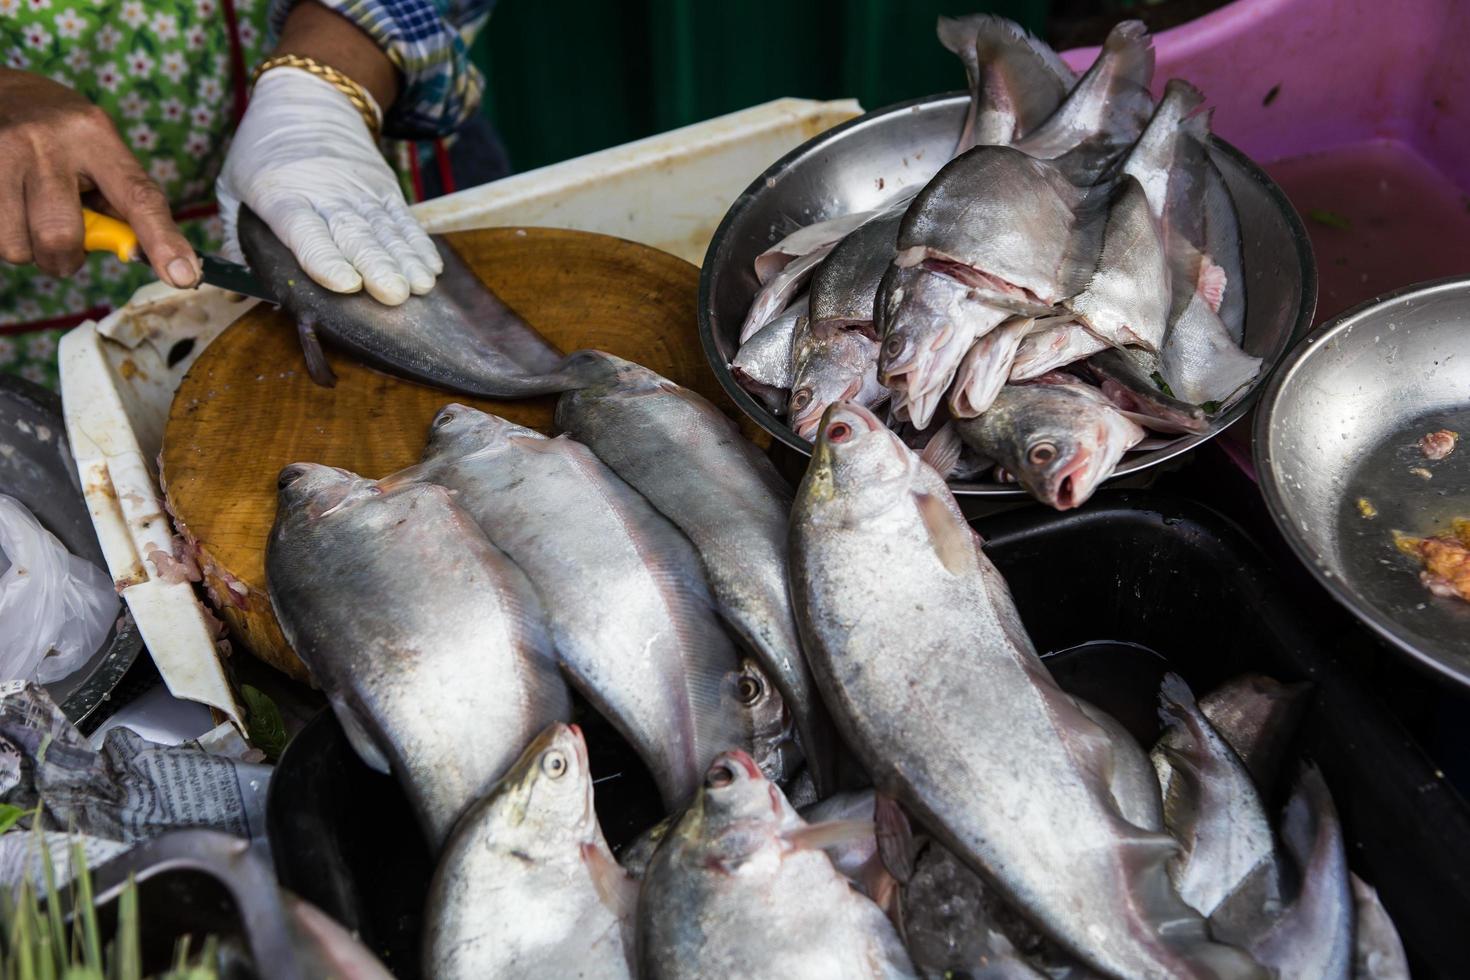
x=865, y=767
x=1070, y=279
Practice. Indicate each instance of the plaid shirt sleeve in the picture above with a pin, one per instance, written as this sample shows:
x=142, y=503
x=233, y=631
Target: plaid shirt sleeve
x=429, y=42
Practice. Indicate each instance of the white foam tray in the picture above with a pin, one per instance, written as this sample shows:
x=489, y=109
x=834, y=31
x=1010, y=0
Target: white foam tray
x=669, y=191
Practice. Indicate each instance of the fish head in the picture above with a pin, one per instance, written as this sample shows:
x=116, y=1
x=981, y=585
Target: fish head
x=459, y=430
x=550, y=786
x=601, y=370
x=857, y=455
x=313, y=491
x=769, y=723
x=736, y=792
x=837, y=366
x=1066, y=443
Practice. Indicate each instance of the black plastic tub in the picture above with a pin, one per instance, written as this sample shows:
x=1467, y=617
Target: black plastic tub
x=1132, y=586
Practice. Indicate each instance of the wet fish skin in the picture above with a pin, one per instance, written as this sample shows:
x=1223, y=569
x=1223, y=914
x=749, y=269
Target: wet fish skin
x=1258, y=716
x=729, y=894
x=1152, y=159
x=1127, y=300
x=763, y=365
x=844, y=285
x=1134, y=786
x=1055, y=345
x=1314, y=936
x=937, y=689
x=805, y=240
x=929, y=322
x=1200, y=360
x=831, y=364
x=986, y=367
x=527, y=886
x=727, y=499
x=1212, y=807
x=1012, y=227
x=1124, y=377
x=441, y=679
x=459, y=336
x=1105, y=113
x=1058, y=436
x=630, y=615
x=1378, y=952
x=1016, y=80
x=638, y=853
x=781, y=291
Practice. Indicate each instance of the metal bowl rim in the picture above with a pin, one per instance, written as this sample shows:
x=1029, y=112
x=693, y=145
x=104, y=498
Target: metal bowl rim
x=782, y=432
x=1276, y=504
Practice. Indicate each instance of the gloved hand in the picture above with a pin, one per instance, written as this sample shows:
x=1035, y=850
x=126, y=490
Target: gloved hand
x=304, y=161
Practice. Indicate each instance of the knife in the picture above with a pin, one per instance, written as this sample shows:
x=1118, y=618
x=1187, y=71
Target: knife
x=104, y=234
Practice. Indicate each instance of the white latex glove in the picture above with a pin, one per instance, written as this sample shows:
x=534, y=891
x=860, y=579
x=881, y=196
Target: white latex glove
x=303, y=160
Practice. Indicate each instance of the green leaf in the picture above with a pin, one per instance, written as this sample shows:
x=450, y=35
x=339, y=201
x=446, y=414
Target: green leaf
x=263, y=720
x=9, y=816
x=1329, y=218
x=1161, y=384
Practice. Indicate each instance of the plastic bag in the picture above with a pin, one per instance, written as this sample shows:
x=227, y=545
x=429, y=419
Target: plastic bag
x=55, y=608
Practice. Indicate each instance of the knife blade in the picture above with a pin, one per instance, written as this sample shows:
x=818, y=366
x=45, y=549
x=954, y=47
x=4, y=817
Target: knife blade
x=105, y=234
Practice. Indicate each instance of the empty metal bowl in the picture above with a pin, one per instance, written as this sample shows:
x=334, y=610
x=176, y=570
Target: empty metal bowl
x=867, y=161
x=1336, y=446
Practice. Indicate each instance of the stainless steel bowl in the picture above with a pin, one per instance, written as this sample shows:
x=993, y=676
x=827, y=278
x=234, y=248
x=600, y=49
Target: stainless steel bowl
x=1339, y=424
x=864, y=162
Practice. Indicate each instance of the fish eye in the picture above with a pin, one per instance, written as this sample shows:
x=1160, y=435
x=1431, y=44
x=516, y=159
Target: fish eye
x=748, y=690
x=554, y=764
x=1042, y=453
x=839, y=432
x=719, y=776
x=444, y=419
x=893, y=346
x=801, y=399
x=288, y=476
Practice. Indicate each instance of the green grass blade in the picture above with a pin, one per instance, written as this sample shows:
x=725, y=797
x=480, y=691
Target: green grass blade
x=128, y=964
x=86, y=911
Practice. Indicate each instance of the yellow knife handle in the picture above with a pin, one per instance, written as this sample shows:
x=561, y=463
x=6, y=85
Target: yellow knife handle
x=104, y=234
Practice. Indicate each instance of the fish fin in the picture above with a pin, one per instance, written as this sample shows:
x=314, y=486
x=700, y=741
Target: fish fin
x=316, y=359
x=1211, y=284
x=1130, y=43
x=952, y=539
x=362, y=743
x=895, y=837
x=1198, y=125
x=615, y=887
x=943, y=449
x=832, y=833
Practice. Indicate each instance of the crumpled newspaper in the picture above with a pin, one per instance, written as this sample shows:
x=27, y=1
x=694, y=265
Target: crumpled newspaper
x=129, y=790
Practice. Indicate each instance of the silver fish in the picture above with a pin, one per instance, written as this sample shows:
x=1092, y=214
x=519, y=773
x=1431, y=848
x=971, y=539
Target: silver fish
x=637, y=853
x=1059, y=437
x=527, y=886
x=324, y=948
x=632, y=619
x=781, y=291
x=1131, y=777
x=832, y=364
x=1121, y=377
x=1378, y=952
x=805, y=240
x=763, y=365
x=1106, y=112
x=1016, y=80
x=929, y=323
x=1202, y=362
x=938, y=691
x=733, y=893
x=986, y=366
x=1225, y=245
x=459, y=336
x=1314, y=936
x=724, y=494
x=1212, y=808
x=1012, y=228
x=845, y=284
x=1152, y=159
x=1055, y=344
x=1126, y=302
x=439, y=678
x=1258, y=716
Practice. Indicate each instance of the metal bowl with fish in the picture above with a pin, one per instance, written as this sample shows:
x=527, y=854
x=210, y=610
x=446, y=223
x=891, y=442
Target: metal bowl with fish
x=1355, y=445
x=871, y=162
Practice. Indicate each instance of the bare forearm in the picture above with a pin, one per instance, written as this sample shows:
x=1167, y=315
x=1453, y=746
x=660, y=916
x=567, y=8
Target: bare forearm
x=315, y=32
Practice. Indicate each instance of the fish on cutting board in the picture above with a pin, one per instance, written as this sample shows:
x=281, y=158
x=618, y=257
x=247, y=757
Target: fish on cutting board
x=937, y=689
x=527, y=886
x=440, y=679
x=630, y=614
x=459, y=336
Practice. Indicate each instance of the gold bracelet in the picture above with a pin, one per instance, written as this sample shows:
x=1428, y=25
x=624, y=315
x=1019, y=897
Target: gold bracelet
x=355, y=93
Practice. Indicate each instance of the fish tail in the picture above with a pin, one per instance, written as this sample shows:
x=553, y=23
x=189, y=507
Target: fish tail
x=316, y=359
x=1132, y=49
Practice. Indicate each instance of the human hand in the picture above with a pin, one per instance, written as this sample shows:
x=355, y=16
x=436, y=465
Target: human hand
x=56, y=146
x=304, y=161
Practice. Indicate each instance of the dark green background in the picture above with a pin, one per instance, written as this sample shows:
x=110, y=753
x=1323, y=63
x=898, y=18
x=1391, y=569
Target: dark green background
x=566, y=78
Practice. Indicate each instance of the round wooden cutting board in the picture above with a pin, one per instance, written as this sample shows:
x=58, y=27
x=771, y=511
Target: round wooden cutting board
x=247, y=407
